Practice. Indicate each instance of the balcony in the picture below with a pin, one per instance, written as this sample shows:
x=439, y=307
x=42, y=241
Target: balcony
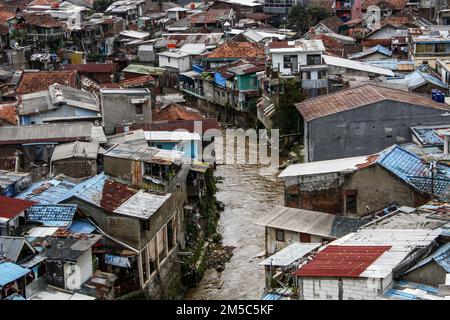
x=198, y=92
x=315, y=84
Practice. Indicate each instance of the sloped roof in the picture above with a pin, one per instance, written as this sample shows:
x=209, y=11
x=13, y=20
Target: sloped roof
x=76, y=149
x=40, y=81
x=175, y=111
x=40, y=20
x=60, y=215
x=376, y=49
x=237, y=50
x=441, y=256
x=8, y=114
x=361, y=96
x=10, y=271
x=11, y=207
x=11, y=247
x=210, y=16
x=92, y=67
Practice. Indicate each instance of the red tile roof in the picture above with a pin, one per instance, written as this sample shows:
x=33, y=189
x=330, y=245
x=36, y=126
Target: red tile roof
x=11, y=207
x=137, y=81
x=114, y=194
x=175, y=111
x=92, y=67
x=237, y=50
x=360, y=96
x=341, y=261
x=40, y=20
x=8, y=114
x=31, y=82
x=5, y=15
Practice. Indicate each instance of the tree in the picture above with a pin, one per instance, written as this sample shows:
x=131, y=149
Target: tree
x=102, y=5
x=301, y=19
x=287, y=118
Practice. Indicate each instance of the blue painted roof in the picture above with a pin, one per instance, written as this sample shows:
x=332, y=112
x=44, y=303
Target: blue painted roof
x=428, y=136
x=411, y=169
x=10, y=271
x=441, y=256
x=394, y=293
x=52, y=215
x=81, y=226
x=50, y=191
x=272, y=296
x=378, y=48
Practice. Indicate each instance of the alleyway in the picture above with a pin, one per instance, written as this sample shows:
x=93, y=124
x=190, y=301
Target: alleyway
x=247, y=193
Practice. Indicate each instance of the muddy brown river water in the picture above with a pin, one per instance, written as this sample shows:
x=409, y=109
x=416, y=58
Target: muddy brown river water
x=248, y=191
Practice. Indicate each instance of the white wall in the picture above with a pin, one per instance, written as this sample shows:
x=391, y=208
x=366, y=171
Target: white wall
x=76, y=274
x=182, y=64
x=352, y=288
x=277, y=61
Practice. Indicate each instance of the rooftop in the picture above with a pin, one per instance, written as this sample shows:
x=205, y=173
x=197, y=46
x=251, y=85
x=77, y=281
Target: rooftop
x=175, y=111
x=171, y=136
x=310, y=222
x=356, y=65
x=92, y=67
x=145, y=154
x=290, y=254
x=211, y=16
x=237, y=50
x=52, y=215
x=377, y=49
x=301, y=45
x=361, y=96
x=76, y=149
x=10, y=271
x=35, y=81
x=11, y=208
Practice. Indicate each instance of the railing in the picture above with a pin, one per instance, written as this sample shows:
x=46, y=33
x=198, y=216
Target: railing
x=191, y=89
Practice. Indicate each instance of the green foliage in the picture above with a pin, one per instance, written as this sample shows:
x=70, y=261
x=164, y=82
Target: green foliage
x=301, y=18
x=287, y=118
x=207, y=203
x=102, y=5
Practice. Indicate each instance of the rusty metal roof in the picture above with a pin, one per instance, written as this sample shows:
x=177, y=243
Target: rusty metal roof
x=11, y=207
x=360, y=96
x=340, y=261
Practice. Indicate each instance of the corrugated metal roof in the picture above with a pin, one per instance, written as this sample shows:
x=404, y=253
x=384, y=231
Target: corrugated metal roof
x=322, y=167
x=376, y=49
x=361, y=96
x=77, y=149
x=305, y=221
x=11, y=247
x=50, y=191
x=171, y=136
x=10, y=272
x=338, y=261
x=356, y=65
x=441, y=256
x=52, y=215
x=142, y=205
x=290, y=254
x=10, y=207
x=145, y=154
x=359, y=251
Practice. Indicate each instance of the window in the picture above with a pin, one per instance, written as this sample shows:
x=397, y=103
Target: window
x=306, y=75
x=287, y=61
x=313, y=59
x=139, y=109
x=279, y=235
x=305, y=237
x=350, y=201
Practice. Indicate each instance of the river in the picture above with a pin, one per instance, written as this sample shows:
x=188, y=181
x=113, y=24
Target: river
x=248, y=191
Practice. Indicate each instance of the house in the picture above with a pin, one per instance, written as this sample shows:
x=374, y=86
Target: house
x=420, y=81
x=392, y=36
x=212, y=18
x=350, y=122
x=124, y=106
x=68, y=261
x=347, y=186
x=427, y=49
x=100, y=72
x=156, y=169
x=284, y=225
x=287, y=259
x=58, y=103
x=35, y=28
x=431, y=270
x=232, y=51
x=175, y=60
x=75, y=159
x=11, y=211
x=337, y=271
x=12, y=280
x=302, y=58
x=348, y=10
x=387, y=7
x=11, y=183
x=142, y=229
x=31, y=81
x=15, y=249
x=128, y=10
